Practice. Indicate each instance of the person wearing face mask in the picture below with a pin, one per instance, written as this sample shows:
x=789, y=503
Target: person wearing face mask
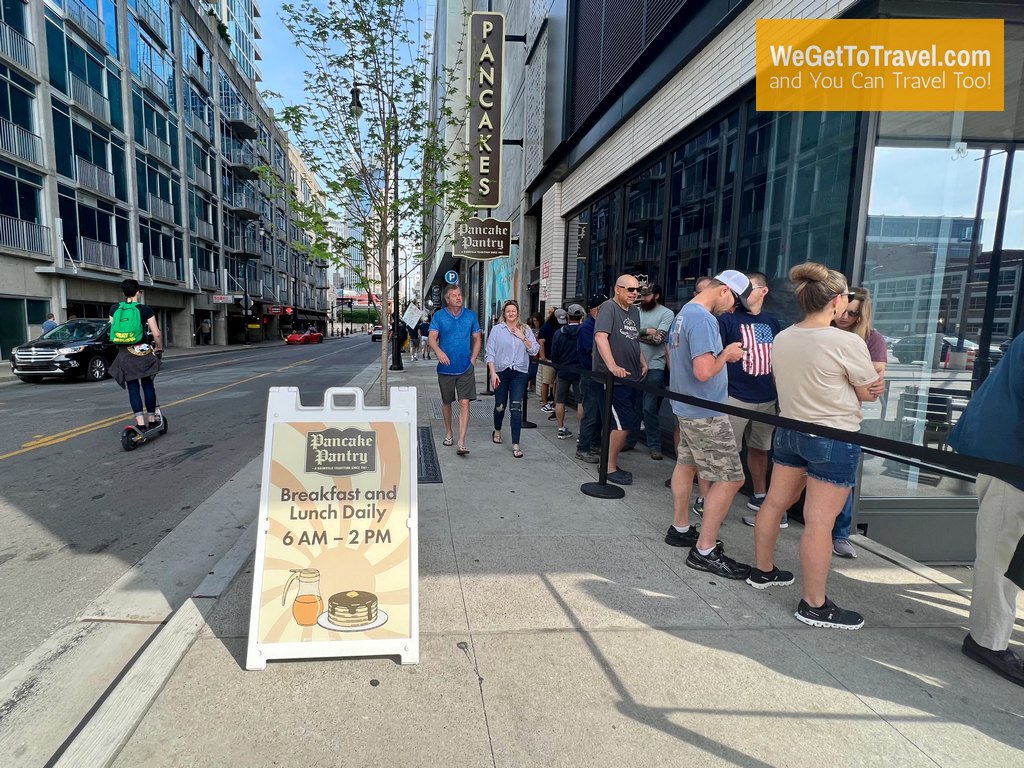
x=822, y=375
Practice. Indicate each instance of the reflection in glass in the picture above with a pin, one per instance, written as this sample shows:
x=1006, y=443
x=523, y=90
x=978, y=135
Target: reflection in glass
x=603, y=237
x=931, y=228
x=645, y=212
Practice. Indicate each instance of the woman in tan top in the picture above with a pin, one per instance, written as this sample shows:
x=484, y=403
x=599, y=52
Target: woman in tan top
x=822, y=374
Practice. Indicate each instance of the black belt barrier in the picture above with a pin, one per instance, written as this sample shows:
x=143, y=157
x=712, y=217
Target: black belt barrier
x=961, y=465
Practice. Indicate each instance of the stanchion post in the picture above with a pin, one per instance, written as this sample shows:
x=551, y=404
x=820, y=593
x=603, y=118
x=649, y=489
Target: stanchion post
x=602, y=489
x=527, y=424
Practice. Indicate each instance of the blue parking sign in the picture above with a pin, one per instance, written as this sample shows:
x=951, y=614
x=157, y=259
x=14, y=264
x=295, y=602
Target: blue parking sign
x=451, y=277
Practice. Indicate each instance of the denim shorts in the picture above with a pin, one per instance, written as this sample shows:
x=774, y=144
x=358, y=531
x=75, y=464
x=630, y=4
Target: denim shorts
x=831, y=461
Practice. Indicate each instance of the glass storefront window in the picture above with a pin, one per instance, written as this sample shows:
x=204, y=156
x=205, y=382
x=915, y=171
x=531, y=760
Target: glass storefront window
x=932, y=218
x=703, y=178
x=645, y=213
x=603, y=246
x=795, y=197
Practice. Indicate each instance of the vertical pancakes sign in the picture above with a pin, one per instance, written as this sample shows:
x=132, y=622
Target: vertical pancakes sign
x=336, y=570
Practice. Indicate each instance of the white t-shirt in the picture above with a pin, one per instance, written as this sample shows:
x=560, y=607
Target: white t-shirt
x=816, y=370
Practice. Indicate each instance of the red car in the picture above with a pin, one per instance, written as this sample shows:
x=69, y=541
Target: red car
x=305, y=337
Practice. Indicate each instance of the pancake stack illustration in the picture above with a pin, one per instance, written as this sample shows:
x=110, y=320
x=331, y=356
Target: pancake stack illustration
x=352, y=609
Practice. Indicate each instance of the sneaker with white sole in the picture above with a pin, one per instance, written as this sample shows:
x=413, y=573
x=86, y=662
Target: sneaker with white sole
x=563, y=432
x=752, y=519
x=755, y=501
x=773, y=578
x=548, y=408
x=830, y=616
x=718, y=563
x=698, y=507
x=843, y=548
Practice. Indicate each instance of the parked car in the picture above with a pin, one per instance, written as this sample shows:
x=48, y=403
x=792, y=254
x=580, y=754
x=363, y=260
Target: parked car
x=78, y=348
x=305, y=337
x=911, y=348
x=377, y=333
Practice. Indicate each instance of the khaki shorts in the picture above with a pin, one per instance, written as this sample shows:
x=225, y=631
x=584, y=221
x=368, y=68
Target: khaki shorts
x=709, y=445
x=758, y=434
x=547, y=374
x=460, y=387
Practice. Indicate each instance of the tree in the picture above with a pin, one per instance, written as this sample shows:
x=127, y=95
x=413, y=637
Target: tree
x=375, y=45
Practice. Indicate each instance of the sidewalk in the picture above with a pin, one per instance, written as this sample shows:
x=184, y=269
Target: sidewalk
x=559, y=630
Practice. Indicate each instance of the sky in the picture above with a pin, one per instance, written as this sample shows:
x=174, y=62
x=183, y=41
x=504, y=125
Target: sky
x=283, y=67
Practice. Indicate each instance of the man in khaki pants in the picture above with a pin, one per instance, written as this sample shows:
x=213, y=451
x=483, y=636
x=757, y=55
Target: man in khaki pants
x=990, y=428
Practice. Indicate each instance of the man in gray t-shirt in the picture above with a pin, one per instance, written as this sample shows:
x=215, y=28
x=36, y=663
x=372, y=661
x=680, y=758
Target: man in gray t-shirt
x=617, y=351
x=706, y=442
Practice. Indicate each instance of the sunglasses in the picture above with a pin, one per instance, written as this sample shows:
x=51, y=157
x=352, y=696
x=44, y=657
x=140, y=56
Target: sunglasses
x=628, y=290
x=854, y=313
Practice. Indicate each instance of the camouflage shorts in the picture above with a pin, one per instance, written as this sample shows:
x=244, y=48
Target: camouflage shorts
x=709, y=445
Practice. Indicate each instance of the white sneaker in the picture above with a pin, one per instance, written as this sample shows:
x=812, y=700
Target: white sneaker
x=548, y=408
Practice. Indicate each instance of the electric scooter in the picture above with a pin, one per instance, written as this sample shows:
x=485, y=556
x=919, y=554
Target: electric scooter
x=133, y=436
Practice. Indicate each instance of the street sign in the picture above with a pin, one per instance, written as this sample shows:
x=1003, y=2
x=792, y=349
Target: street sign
x=412, y=315
x=483, y=239
x=435, y=295
x=451, y=277
x=336, y=569
x=288, y=310
x=246, y=303
x=222, y=298
x=275, y=310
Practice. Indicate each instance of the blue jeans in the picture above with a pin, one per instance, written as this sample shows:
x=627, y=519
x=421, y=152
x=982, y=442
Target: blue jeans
x=148, y=391
x=647, y=406
x=593, y=406
x=509, y=394
x=841, y=530
x=831, y=461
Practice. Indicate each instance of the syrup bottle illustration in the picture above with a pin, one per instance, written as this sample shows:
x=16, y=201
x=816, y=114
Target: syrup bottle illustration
x=308, y=604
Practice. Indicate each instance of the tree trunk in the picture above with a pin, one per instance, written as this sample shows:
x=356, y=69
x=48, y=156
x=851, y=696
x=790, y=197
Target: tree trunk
x=385, y=309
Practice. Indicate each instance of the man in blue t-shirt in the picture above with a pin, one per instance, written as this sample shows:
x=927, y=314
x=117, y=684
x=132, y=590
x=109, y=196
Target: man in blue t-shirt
x=751, y=383
x=991, y=428
x=455, y=338
x=697, y=359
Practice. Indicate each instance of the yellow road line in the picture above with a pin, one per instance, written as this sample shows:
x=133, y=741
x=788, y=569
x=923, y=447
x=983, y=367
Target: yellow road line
x=60, y=437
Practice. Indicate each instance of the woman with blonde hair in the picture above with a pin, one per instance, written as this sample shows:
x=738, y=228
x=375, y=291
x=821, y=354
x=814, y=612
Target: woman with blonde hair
x=822, y=374
x=857, y=319
x=509, y=346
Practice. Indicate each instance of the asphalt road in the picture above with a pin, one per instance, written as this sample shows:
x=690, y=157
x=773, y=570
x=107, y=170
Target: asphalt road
x=76, y=511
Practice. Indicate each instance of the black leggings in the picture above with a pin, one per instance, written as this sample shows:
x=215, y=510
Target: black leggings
x=135, y=398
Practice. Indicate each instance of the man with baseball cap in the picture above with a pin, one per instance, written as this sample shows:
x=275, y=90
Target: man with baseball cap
x=563, y=352
x=706, y=443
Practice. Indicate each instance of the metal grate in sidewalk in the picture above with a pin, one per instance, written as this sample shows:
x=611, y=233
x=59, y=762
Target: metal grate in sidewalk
x=428, y=467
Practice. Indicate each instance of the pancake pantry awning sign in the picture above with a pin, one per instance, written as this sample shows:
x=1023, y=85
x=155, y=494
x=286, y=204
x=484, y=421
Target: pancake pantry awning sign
x=336, y=571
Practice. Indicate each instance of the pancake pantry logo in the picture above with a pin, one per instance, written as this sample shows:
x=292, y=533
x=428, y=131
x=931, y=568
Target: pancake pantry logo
x=341, y=452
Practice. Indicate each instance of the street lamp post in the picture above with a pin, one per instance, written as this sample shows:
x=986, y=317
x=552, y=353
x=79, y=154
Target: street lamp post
x=356, y=108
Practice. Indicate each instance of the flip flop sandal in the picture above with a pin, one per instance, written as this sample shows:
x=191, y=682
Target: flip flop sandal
x=448, y=441
x=462, y=450
x=517, y=453
x=496, y=437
